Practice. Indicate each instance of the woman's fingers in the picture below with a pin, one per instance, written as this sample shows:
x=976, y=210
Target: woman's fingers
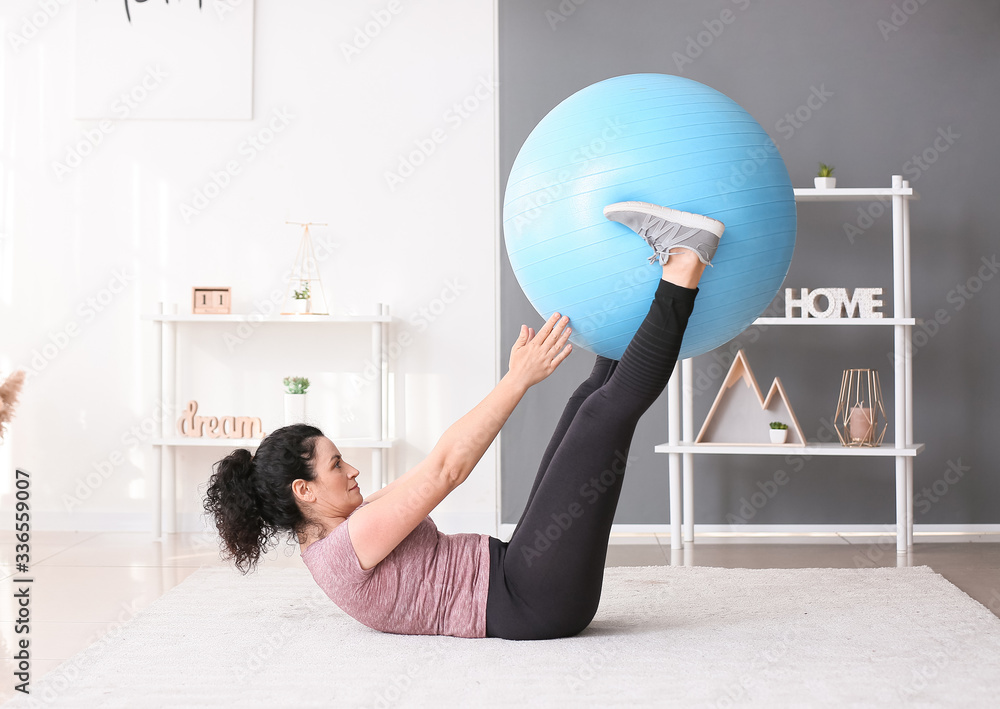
x=557, y=360
x=560, y=333
x=553, y=329
x=549, y=324
x=564, y=336
x=559, y=342
x=537, y=354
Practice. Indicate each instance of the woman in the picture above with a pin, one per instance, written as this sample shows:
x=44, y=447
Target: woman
x=391, y=569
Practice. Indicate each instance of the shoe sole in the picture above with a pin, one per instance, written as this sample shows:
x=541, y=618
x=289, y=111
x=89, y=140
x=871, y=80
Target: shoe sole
x=688, y=219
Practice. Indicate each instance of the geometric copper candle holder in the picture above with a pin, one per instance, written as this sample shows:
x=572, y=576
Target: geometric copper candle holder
x=305, y=294
x=860, y=419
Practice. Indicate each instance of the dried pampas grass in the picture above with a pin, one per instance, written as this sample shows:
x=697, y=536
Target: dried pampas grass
x=8, y=398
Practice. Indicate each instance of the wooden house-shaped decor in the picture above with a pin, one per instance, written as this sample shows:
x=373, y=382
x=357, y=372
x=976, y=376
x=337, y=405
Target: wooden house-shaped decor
x=741, y=415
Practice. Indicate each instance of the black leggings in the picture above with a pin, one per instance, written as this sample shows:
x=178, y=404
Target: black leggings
x=546, y=581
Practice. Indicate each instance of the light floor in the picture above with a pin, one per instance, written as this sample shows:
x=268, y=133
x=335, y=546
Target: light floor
x=86, y=583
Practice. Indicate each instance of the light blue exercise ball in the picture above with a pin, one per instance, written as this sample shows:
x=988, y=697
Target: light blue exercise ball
x=650, y=138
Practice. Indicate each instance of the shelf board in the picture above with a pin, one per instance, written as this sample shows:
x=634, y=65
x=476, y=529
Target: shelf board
x=836, y=321
x=254, y=318
x=182, y=442
x=812, y=448
x=851, y=194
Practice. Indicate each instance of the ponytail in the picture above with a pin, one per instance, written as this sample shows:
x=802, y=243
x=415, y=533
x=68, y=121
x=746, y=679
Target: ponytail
x=250, y=497
x=233, y=501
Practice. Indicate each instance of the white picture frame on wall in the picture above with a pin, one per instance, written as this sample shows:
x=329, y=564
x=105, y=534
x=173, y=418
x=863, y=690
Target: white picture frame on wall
x=159, y=60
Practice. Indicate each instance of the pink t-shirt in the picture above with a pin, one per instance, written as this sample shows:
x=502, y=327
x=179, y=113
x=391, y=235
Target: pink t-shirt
x=430, y=584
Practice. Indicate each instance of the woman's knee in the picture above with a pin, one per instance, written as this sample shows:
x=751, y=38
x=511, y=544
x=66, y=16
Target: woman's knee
x=600, y=405
x=616, y=403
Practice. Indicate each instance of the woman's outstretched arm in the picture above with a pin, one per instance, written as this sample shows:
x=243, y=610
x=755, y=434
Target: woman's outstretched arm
x=532, y=358
x=378, y=527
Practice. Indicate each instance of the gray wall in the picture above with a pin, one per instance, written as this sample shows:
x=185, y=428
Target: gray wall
x=893, y=91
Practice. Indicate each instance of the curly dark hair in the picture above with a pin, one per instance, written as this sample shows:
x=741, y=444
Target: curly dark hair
x=250, y=496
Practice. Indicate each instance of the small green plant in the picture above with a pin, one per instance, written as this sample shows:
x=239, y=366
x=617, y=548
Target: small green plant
x=296, y=385
x=304, y=293
x=825, y=170
x=778, y=425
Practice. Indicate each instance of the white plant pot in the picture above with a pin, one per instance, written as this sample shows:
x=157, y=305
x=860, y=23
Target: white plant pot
x=303, y=306
x=778, y=435
x=295, y=409
x=825, y=183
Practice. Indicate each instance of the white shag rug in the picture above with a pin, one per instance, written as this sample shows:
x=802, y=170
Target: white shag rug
x=664, y=636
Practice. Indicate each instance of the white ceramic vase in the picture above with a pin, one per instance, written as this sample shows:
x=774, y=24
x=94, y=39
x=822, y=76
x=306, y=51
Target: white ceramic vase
x=295, y=409
x=825, y=183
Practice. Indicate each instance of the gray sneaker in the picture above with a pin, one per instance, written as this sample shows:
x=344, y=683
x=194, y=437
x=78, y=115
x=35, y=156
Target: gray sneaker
x=665, y=229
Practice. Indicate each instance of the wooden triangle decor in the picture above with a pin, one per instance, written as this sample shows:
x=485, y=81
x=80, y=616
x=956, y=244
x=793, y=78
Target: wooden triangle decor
x=740, y=415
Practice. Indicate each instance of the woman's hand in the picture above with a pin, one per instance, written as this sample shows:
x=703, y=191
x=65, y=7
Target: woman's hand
x=536, y=356
x=378, y=528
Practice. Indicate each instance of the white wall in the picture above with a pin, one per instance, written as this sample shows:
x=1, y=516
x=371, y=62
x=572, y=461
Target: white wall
x=347, y=122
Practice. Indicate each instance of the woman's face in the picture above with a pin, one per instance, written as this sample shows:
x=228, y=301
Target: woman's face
x=336, y=490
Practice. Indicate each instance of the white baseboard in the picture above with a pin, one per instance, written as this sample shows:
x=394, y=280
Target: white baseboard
x=621, y=533
x=80, y=521
x=798, y=533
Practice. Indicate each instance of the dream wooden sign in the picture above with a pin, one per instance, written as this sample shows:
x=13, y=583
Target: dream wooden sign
x=863, y=303
x=194, y=426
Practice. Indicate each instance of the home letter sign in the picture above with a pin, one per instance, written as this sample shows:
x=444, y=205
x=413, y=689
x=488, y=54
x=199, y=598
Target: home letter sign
x=863, y=303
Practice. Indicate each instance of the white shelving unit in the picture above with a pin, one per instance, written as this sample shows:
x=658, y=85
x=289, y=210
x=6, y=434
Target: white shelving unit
x=680, y=420
x=164, y=465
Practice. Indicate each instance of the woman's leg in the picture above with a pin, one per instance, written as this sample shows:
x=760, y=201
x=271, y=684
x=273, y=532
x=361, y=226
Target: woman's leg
x=546, y=582
x=603, y=367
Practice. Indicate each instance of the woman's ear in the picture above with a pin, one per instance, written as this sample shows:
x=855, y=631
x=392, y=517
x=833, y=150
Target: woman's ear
x=300, y=488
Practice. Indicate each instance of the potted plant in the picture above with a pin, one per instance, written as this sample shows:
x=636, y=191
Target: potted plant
x=825, y=179
x=295, y=399
x=303, y=301
x=779, y=432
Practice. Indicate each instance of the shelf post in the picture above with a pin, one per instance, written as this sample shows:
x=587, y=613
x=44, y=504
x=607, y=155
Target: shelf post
x=383, y=454
x=156, y=483
x=901, y=505
x=167, y=492
x=908, y=365
x=673, y=436
x=385, y=373
x=687, y=461
x=901, y=355
x=378, y=359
